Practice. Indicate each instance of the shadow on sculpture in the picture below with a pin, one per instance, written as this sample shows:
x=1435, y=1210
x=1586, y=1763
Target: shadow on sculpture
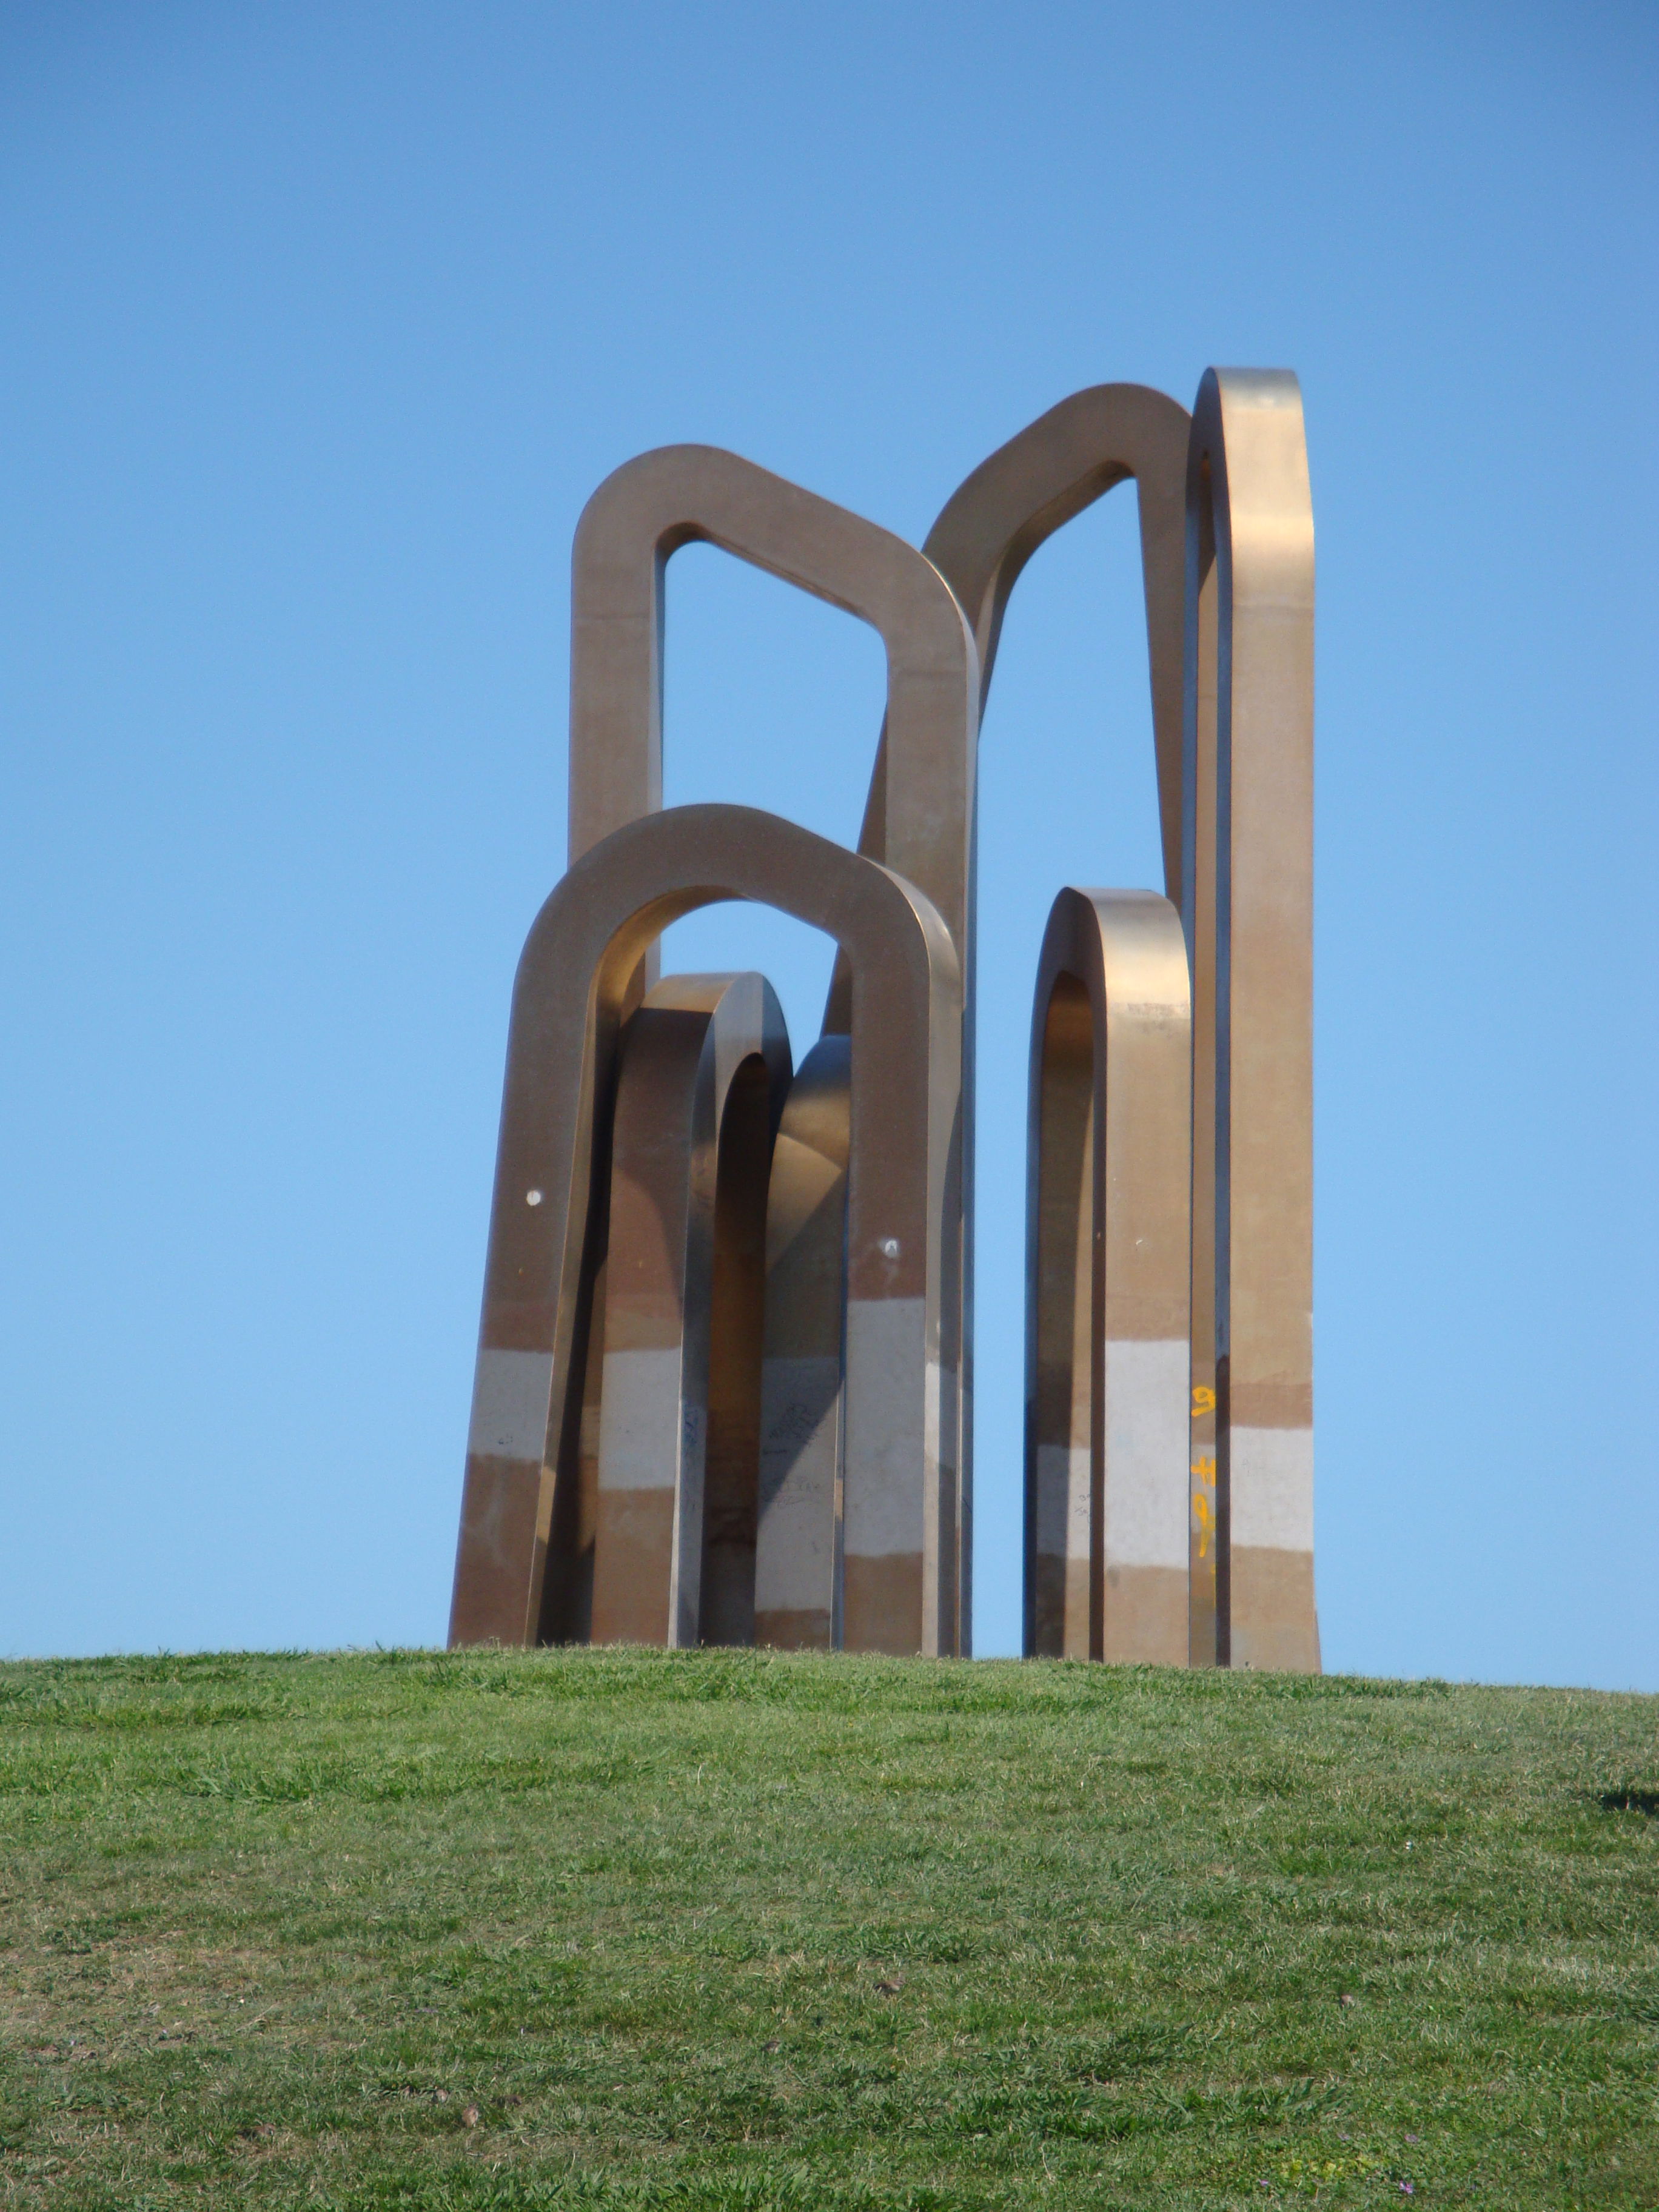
x=724, y=1390
x=800, y=1470
x=703, y=1069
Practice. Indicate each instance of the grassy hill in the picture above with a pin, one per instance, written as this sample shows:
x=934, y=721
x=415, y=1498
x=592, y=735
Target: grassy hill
x=615, y=1929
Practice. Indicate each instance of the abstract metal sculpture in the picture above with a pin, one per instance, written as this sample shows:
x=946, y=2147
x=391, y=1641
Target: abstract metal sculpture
x=525, y=1464
x=724, y=1390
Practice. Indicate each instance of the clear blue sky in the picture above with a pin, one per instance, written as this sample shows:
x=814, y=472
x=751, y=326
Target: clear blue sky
x=320, y=322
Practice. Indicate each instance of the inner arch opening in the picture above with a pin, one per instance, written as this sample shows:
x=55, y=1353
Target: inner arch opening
x=771, y=698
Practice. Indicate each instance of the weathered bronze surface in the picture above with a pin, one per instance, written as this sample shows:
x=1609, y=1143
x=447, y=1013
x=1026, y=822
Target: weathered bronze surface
x=547, y=1240
x=703, y=1071
x=1108, y=1228
x=798, y=1577
x=1249, y=912
x=724, y=1389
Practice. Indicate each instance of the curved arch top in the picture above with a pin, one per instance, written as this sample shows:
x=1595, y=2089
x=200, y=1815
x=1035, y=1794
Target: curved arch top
x=676, y=496
x=1032, y=486
x=1040, y=481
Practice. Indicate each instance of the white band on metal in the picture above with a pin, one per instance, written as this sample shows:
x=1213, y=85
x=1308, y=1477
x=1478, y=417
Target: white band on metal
x=1271, y=1487
x=511, y=1391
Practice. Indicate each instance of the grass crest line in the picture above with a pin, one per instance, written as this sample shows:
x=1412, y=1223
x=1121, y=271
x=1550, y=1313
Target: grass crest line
x=629, y=1928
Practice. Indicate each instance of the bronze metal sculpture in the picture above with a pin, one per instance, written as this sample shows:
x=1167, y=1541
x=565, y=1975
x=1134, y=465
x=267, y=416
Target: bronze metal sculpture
x=725, y=1381
x=546, y=1242
x=1107, y=1231
x=1248, y=903
x=703, y=1072
x=797, y=1563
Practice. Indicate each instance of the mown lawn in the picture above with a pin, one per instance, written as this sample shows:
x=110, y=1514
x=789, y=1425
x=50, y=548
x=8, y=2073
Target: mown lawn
x=616, y=1928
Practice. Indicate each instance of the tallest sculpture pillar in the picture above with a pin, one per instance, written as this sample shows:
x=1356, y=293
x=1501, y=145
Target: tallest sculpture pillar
x=1248, y=908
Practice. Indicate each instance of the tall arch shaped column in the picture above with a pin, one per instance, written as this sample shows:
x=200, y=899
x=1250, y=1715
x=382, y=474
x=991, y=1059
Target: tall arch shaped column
x=988, y=529
x=676, y=496
x=1248, y=907
x=904, y=1303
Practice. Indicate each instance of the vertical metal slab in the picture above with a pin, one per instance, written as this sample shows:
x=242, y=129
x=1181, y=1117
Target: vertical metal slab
x=1249, y=746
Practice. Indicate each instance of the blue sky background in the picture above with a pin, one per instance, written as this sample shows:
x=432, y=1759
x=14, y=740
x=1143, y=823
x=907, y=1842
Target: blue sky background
x=320, y=322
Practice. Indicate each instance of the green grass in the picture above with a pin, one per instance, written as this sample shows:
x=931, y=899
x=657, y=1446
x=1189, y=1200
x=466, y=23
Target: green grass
x=618, y=1929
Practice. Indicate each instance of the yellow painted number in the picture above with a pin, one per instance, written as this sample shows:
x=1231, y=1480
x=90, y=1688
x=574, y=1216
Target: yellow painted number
x=1204, y=1517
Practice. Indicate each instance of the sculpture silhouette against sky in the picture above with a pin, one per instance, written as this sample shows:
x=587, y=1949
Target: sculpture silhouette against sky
x=725, y=1383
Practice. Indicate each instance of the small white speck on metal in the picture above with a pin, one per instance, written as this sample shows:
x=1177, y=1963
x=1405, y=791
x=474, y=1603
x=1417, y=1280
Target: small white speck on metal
x=532, y=1198
x=890, y=1247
